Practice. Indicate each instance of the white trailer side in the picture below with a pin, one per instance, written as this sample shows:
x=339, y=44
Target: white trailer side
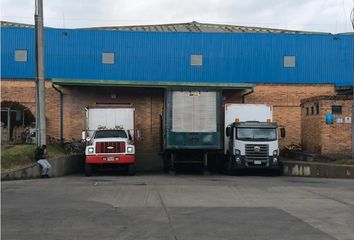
x=110, y=118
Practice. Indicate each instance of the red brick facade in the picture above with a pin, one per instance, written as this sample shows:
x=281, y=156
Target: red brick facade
x=319, y=137
x=148, y=103
x=23, y=91
x=286, y=100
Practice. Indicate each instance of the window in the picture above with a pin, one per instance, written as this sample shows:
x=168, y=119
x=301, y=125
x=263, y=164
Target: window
x=20, y=55
x=289, y=61
x=336, y=109
x=256, y=134
x=312, y=110
x=107, y=58
x=196, y=60
x=307, y=111
x=317, y=106
x=110, y=134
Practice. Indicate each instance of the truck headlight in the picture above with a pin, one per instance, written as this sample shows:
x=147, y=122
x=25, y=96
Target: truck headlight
x=90, y=150
x=275, y=153
x=237, y=152
x=130, y=149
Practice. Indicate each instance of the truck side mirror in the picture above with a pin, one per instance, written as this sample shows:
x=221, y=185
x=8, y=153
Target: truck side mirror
x=228, y=131
x=282, y=132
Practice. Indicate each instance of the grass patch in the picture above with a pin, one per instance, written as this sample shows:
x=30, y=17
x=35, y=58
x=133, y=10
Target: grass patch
x=345, y=161
x=20, y=155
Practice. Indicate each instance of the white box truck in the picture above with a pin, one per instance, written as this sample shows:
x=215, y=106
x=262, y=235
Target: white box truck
x=109, y=138
x=251, y=137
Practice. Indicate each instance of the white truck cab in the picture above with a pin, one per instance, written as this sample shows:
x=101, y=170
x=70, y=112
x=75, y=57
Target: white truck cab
x=252, y=142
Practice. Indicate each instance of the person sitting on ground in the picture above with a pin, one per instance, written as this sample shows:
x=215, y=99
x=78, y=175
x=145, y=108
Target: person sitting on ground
x=40, y=155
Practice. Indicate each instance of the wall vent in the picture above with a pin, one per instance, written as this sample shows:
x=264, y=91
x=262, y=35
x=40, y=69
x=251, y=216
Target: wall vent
x=289, y=61
x=20, y=55
x=108, y=58
x=196, y=60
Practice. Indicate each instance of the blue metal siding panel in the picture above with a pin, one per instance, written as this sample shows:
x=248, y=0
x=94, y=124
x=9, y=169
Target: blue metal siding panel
x=165, y=57
x=12, y=40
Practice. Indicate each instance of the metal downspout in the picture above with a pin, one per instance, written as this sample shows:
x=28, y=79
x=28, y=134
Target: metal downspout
x=244, y=95
x=61, y=113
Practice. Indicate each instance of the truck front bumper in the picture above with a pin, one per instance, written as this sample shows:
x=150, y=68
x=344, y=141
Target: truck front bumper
x=241, y=162
x=110, y=159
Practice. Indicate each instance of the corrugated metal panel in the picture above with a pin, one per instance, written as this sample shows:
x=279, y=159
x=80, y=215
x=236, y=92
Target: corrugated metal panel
x=193, y=111
x=165, y=56
x=188, y=128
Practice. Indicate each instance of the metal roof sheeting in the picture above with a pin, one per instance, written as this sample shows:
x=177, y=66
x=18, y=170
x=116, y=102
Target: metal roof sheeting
x=201, y=27
x=164, y=57
x=182, y=27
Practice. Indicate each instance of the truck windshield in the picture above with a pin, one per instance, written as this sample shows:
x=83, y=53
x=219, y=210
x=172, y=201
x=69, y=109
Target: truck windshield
x=110, y=134
x=256, y=134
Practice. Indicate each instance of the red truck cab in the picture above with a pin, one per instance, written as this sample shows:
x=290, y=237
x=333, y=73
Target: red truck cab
x=110, y=146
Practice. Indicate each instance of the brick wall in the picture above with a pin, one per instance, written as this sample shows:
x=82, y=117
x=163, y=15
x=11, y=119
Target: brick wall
x=322, y=138
x=23, y=91
x=286, y=99
x=148, y=103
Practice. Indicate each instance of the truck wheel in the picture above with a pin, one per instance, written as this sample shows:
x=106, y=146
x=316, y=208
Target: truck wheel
x=166, y=165
x=88, y=169
x=131, y=169
x=279, y=171
x=229, y=168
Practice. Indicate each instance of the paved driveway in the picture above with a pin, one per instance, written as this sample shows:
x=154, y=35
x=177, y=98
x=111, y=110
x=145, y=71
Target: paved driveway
x=178, y=207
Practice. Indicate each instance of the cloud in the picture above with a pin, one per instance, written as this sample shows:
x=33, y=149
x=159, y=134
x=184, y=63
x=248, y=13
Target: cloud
x=311, y=15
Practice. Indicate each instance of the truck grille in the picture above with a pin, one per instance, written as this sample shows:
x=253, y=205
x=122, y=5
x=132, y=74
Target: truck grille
x=257, y=152
x=110, y=147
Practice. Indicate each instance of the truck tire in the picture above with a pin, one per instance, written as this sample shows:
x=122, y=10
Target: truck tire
x=166, y=165
x=279, y=171
x=229, y=167
x=131, y=169
x=88, y=169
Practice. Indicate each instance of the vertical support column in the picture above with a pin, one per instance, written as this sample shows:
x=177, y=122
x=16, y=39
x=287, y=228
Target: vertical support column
x=205, y=164
x=41, y=109
x=8, y=125
x=172, y=167
x=353, y=126
x=352, y=20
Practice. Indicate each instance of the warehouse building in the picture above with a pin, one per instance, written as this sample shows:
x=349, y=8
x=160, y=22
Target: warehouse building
x=134, y=65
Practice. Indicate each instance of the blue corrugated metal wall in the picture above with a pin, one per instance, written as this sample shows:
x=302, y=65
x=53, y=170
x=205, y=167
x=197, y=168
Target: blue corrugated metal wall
x=165, y=57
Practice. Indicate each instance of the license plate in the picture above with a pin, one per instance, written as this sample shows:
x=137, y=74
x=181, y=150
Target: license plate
x=257, y=162
x=110, y=159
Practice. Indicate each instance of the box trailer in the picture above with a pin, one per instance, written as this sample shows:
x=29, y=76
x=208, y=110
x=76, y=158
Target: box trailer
x=192, y=123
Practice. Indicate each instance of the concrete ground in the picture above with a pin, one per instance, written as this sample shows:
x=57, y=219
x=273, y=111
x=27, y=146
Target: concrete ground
x=178, y=207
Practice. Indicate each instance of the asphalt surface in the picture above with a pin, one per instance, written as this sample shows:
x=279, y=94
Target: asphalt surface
x=178, y=207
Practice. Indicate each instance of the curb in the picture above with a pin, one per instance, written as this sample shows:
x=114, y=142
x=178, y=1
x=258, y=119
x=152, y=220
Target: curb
x=61, y=166
x=314, y=169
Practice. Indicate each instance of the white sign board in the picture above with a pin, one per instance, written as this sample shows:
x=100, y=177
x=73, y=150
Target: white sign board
x=348, y=120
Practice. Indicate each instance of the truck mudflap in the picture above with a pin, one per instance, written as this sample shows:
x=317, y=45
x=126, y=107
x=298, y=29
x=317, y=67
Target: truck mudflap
x=110, y=159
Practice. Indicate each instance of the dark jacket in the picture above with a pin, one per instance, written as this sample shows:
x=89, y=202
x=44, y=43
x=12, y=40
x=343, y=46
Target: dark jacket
x=39, y=153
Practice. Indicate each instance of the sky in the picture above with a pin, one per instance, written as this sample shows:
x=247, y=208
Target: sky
x=309, y=15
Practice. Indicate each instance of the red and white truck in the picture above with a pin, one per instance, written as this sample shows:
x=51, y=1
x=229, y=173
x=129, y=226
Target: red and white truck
x=109, y=138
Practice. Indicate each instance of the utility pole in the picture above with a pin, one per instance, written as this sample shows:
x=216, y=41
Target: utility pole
x=40, y=79
x=352, y=20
